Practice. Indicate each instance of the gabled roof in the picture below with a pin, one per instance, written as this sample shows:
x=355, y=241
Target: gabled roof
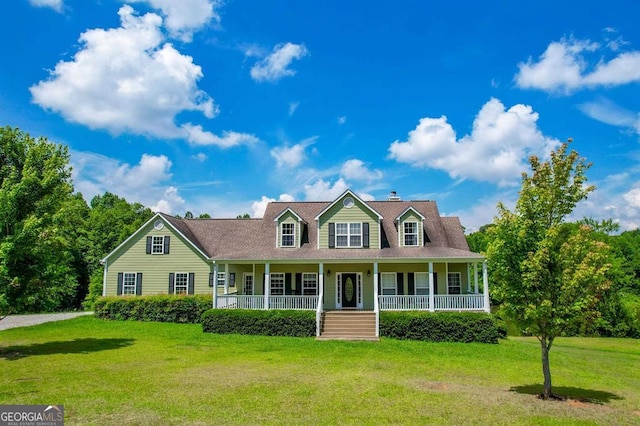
x=290, y=210
x=406, y=210
x=349, y=192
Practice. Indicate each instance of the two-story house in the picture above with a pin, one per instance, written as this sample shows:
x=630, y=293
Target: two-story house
x=346, y=255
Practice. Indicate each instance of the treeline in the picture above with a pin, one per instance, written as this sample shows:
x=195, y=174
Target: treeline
x=619, y=308
x=51, y=240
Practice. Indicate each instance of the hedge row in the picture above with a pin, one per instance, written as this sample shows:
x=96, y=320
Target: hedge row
x=262, y=322
x=441, y=326
x=162, y=308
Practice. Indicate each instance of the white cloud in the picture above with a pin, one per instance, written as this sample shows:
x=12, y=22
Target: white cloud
x=356, y=170
x=565, y=66
x=496, y=150
x=126, y=80
x=293, y=106
x=197, y=136
x=145, y=182
x=56, y=5
x=184, y=17
x=258, y=207
x=323, y=190
x=608, y=112
x=291, y=156
x=342, y=119
x=633, y=197
x=201, y=156
x=275, y=66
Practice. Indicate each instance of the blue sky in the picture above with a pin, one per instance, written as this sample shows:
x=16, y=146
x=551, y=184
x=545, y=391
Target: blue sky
x=220, y=106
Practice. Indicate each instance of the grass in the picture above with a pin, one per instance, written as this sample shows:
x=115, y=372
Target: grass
x=155, y=373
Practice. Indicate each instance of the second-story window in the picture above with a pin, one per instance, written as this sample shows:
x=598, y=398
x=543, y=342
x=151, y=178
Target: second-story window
x=411, y=233
x=157, y=245
x=349, y=234
x=288, y=235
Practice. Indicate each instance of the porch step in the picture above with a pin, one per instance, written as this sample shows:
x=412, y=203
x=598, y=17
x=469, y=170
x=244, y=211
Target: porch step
x=348, y=325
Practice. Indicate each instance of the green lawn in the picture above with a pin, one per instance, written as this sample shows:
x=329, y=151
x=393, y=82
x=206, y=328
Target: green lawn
x=153, y=373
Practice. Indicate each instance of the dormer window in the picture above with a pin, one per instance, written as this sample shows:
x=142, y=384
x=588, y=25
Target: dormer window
x=288, y=236
x=411, y=233
x=349, y=234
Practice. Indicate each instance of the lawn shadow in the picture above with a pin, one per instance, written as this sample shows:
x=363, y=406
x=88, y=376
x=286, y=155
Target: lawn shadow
x=569, y=392
x=76, y=346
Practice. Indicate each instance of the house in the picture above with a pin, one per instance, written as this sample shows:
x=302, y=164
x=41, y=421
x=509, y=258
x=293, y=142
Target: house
x=348, y=258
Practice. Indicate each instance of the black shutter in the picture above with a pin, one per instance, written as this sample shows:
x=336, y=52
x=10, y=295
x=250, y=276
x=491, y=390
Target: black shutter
x=379, y=283
x=172, y=280
x=435, y=283
x=298, y=283
x=120, y=280
x=264, y=283
x=211, y=280
x=149, y=244
x=139, y=283
x=365, y=235
x=190, y=285
x=411, y=283
x=400, y=283
x=166, y=244
x=287, y=283
x=332, y=235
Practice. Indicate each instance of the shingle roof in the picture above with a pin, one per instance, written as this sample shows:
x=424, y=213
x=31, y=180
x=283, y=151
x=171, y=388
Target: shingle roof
x=255, y=239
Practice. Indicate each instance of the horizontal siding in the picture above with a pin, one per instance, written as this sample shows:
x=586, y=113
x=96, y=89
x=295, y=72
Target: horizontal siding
x=358, y=213
x=411, y=216
x=289, y=217
x=155, y=268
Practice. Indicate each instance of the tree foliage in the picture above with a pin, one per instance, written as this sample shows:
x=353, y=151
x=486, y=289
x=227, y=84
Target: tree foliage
x=548, y=275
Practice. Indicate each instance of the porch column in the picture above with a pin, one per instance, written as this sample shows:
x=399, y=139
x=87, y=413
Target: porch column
x=104, y=278
x=376, y=302
x=267, y=285
x=485, y=283
x=226, y=278
x=475, y=277
x=432, y=299
x=215, y=286
x=320, y=283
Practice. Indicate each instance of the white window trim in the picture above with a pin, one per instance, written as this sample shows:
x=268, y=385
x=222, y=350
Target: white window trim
x=304, y=287
x=244, y=283
x=186, y=282
x=125, y=286
x=220, y=279
x=395, y=283
x=405, y=234
x=415, y=283
x=271, y=280
x=154, y=245
x=282, y=234
x=449, y=274
x=348, y=234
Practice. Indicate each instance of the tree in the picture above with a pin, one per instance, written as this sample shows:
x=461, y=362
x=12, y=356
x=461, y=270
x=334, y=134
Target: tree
x=243, y=216
x=204, y=216
x=549, y=275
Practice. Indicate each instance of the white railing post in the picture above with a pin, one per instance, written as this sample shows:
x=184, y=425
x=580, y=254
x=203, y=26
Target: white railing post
x=432, y=300
x=376, y=302
x=485, y=284
x=215, y=285
x=267, y=286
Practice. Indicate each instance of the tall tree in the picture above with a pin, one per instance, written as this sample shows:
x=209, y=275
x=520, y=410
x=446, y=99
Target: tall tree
x=548, y=275
x=36, y=265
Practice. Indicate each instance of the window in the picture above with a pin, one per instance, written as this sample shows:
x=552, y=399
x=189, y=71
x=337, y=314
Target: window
x=277, y=284
x=349, y=234
x=288, y=235
x=422, y=283
x=157, y=245
x=309, y=284
x=411, y=233
x=248, y=284
x=388, y=283
x=454, y=283
x=129, y=283
x=181, y=283
x=220, y=279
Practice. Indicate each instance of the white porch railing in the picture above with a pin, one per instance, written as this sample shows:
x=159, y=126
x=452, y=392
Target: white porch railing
x=404, y=303
x=460, y=302
x=234, y=301
x=293, y=302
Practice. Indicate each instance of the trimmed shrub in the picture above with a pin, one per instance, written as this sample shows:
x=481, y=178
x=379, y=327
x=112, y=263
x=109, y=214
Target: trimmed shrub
x=161, y=308
x=261, y=322
x=441, y=326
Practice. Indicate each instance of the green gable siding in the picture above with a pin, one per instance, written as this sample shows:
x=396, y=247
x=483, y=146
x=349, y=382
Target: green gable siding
x=289, y=217
x=410, y=216
x=155, y=268
x=358, y=213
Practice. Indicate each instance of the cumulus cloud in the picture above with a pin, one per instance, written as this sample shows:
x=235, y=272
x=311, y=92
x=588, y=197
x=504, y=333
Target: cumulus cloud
x=571, y=64
x=184, y=17
x=496, y=151
x=608, y=112
x=258, y=207
x=291, y=156
x=276, y=65
x=322, y=190
x=127, y=79
x=632, y=197
x=356, y=170
x=56, y=5
x=145, y=182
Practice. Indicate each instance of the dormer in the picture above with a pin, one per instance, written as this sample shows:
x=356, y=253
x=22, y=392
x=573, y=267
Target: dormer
x=290, y=229
x=410, y=228
x=348, y=223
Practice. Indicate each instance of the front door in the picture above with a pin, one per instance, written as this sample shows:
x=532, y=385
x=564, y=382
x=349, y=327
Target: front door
x=349, y=291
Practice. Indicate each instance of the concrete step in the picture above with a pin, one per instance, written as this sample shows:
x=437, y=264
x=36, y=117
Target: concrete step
x=348, y=325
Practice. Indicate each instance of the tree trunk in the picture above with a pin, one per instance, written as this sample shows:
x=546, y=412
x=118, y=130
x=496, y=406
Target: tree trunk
x=546, y=371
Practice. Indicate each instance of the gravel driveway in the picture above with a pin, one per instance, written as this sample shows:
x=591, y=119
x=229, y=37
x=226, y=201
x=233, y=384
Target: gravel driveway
x=13, y=321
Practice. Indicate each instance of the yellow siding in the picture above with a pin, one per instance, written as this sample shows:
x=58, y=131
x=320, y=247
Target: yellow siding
x=155, y=268
x=358, y=213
